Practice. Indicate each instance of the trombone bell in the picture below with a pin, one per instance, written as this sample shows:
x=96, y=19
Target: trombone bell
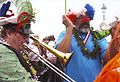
x=65, y=57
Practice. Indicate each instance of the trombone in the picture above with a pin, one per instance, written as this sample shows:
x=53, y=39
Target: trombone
x=63, y=56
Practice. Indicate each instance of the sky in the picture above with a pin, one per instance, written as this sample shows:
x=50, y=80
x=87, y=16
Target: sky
x=49, y=14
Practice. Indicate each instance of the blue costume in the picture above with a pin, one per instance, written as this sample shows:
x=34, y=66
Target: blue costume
x=80, y=68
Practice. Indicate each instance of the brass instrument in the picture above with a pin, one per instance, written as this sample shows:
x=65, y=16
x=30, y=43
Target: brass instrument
x=62, y=56
x=65, y=57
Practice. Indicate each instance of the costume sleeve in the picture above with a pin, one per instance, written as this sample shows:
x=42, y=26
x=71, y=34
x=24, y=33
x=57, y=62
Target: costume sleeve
x=103, y=46
x=60, y=38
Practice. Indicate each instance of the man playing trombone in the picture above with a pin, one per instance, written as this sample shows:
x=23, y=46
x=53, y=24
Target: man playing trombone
x=14, y=33
x=12, y=37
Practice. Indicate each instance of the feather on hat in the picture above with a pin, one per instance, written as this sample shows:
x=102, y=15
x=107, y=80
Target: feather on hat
x=90, y=11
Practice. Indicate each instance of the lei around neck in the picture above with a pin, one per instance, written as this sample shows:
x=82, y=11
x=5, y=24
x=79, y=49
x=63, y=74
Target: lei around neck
x=84, y=49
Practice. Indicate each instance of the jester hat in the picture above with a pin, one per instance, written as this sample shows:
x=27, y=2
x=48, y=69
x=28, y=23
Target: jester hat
x=22, y=17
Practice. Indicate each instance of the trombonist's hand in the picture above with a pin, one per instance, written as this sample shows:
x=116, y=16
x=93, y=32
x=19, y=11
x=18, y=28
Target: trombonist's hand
x=67, y=22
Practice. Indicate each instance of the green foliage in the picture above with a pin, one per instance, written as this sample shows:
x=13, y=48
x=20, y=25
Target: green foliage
x=25, y=6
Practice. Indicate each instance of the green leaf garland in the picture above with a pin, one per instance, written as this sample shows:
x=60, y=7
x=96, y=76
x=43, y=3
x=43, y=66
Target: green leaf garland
x=84, y=49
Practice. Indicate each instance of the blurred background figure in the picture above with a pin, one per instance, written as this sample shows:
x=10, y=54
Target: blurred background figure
x=47, y=75
x=50, y=40
x=111, y=71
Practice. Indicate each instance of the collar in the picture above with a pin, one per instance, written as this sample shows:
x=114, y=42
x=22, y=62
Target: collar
x=84, y=37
